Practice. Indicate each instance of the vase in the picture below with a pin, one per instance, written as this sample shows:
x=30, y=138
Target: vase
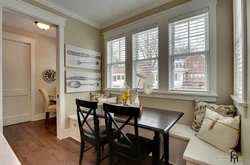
x=136, y=99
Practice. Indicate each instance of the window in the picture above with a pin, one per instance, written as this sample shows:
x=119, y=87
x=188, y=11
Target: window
x=189, y=44
x=116, y=56
x=145, y=56
x=238, y=49
x=114, y=78
x=195, y=64
x=123, y=77
x=175, y=77
x=173, y=42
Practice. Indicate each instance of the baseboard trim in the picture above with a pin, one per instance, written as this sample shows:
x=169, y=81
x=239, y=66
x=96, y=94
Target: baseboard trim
x=41, y=116
x=66, y=134
x=75, y=138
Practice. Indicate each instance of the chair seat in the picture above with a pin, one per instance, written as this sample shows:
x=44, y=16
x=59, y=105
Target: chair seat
x=145, y=146
x=102, y=135
x=52, y=108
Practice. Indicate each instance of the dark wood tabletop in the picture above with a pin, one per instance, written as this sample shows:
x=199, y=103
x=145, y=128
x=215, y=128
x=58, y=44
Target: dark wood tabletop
x=151, y=118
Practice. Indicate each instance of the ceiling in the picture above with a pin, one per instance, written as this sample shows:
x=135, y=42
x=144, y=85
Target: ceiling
x=18, y=21
x=102, y=13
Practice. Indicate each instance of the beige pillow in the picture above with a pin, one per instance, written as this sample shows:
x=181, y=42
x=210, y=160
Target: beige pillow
x=107, y=100
x=222, y=132
x=200, y=109
x=95, y=96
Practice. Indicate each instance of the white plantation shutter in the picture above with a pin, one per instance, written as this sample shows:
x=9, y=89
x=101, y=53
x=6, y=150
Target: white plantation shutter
x=238, y=48
x=189, y=51
x=116, y=57
x=145, y=56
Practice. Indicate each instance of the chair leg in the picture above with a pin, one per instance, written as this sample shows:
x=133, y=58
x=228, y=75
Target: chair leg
x=111, y=159
x=98, y=149
x=81, y=152
x=47, y=120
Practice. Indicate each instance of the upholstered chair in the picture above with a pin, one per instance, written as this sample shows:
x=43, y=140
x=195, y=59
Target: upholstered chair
x=47, y=106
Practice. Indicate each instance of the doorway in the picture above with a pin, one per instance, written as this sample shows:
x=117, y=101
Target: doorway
x=35, y=13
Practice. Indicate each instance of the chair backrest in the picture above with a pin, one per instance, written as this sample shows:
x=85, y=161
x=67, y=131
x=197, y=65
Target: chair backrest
x=82, y=119
x=131, y=113
x=45, y=97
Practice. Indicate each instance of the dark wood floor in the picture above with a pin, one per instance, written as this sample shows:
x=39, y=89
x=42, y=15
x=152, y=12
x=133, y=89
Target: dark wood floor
x=35, y=145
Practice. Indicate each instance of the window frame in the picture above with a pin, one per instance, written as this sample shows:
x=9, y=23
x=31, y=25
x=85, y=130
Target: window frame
x=162, y=19
x=241, y=102
x=115, y=63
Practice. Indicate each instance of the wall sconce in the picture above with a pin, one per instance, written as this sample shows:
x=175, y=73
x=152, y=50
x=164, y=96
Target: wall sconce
x=42, y=25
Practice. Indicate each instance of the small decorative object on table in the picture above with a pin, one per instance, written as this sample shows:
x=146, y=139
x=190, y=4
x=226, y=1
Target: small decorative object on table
x=147, y=89
x=125, y=94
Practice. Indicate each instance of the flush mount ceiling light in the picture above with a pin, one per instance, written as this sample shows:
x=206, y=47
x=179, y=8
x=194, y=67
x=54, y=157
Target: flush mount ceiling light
x=42, y=25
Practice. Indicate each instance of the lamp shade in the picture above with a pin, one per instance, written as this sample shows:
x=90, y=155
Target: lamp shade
x=42, y=26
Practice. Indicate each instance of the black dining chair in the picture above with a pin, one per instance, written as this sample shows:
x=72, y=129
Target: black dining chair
x=96, y=136
x=130, y=147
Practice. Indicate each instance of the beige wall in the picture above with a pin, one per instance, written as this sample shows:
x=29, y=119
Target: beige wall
x=78, y=34
x=45, y=58
x=224, y=54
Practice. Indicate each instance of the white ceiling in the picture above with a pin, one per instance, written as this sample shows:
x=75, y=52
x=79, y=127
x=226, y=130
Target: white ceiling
x=102, y=13
x=18, y=21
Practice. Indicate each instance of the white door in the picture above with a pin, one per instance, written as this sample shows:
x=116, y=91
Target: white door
x=16, y=82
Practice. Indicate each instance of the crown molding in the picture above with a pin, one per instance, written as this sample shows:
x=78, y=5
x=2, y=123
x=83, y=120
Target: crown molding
x=156, y=4
x=94, y=24
x=69, y=13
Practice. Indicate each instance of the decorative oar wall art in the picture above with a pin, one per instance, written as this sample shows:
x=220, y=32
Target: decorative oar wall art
x=82, y=58
x=82, y=81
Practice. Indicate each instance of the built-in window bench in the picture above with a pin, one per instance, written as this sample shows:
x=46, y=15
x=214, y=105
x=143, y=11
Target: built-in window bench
x=7, y=156
x=197, y=151
x=185, y=147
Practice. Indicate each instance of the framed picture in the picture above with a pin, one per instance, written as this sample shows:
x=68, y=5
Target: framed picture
x=77, y=81
x=82, y=58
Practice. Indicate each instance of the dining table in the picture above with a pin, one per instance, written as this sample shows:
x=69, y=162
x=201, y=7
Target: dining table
x=153, y=119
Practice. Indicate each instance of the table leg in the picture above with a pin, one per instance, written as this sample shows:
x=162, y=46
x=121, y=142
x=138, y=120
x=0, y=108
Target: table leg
x=166, y=148
x=156, y=155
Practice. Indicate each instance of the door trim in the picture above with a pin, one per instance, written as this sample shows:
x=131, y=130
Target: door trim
x=36, y=13
x=32, y=43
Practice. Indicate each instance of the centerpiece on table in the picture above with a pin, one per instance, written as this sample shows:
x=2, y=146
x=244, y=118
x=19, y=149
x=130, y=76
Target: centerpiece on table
x=131, y=98
x=125, y=99
x=147, y=89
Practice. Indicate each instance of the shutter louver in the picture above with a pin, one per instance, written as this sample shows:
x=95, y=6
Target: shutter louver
x=145, y=56
x=188, y=50
x=238, y=41
x=116, y=57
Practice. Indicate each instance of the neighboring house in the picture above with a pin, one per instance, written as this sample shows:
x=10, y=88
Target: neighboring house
x=195, y=75
x=190, y=73
x=118, y=76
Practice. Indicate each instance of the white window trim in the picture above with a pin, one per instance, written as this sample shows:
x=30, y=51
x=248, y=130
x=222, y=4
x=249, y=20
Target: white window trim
x=162, y=19
x=241, y=103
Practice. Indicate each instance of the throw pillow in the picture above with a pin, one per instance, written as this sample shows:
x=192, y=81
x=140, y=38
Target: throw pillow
x=107, y=100
x=200, y=109
x=222, y=132
x=94, y=97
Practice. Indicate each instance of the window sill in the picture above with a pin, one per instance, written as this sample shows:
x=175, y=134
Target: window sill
x=172, y=95
x=240, y=105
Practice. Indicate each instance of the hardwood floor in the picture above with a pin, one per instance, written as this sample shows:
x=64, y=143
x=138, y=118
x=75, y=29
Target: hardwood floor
x=35, y=145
